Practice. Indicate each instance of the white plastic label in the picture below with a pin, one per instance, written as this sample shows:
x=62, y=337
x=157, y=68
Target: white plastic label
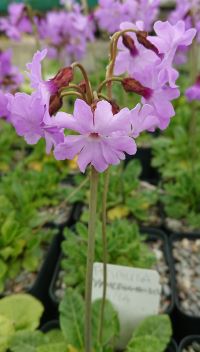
x=134, y=293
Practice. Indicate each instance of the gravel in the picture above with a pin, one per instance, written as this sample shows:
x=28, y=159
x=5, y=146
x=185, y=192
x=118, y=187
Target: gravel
x=161, y=267
x=20, y=283
x=187, y=266
x=24, y=280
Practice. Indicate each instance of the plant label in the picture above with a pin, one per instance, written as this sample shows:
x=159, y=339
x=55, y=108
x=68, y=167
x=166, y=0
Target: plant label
x=134, y=293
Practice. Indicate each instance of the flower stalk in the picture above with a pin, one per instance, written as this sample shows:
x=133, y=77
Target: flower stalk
x=90, y=259
x=105, y=253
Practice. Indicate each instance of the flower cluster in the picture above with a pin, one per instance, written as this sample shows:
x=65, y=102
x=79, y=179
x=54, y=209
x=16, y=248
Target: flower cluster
x=17, y=22
x=104, y=136
x=149, y=62
x=189, y=12
x=111, y=13
x=98, y=132
x=66, y=33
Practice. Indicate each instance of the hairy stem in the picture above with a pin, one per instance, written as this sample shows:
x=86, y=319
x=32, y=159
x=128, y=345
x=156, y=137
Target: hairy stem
x=105, y=254
x=90, y=259
x=89, y=93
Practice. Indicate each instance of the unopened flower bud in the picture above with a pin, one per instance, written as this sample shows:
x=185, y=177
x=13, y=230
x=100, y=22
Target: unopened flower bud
x=55, y=104
x=61, y=80
x=131, y=85
x=129, y=44
x=142, y=39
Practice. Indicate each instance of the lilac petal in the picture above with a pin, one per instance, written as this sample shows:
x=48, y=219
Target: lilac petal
x=121, y=63
x=102, y=117
x=84, y=116
x=35, y=69
x=109, y=154
x=123, y=143
x=63, y=120
x=70, y=148
x=85, y=157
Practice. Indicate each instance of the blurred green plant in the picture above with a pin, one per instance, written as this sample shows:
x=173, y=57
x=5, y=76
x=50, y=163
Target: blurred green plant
x=125, y=245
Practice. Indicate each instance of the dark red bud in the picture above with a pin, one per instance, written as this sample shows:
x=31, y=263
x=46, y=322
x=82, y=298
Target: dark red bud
x=129, y=44
x=142, y=39
x=82, y=86
x=55, y=104
x=131, y=85
x=63, y=78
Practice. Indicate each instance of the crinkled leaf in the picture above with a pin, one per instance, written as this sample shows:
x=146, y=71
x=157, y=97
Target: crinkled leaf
x=6, y=331
x=53, y=347
x=152, y=335
x=71, y=319
x=23, y=309
x=26, y=341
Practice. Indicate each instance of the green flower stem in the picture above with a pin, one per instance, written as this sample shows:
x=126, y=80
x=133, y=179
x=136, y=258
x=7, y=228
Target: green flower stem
x=89, y=93
x=105, y=254
x=90, y=259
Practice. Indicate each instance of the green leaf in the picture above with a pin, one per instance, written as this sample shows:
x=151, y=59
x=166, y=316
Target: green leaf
x=26, y=341
x=110, y=325
x=71, y=319
x=23, y=309
x=6, y=331
x=3, y=268
x=53, y=347
x=152, y=335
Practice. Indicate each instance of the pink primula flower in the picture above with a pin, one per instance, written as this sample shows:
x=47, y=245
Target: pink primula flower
x=102, y=137
x=52, y=86
x=159, y=95
x=193, y=92
x=17, y=22
x=135, y=60
x=143, y=119
x=167, y=40
x=31, y=119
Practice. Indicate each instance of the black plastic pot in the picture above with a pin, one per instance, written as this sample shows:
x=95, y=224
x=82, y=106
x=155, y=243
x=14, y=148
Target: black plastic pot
x=172, y=347
x=153, y=235
x=184, y=324
x=187, y=341
x=149, y=173
x=50, y=325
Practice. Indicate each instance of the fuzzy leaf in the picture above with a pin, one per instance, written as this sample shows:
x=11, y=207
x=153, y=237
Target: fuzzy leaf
x=6, y=331
x=71, y=319
x=23, y=309
x=26, y=341
x=152, y=335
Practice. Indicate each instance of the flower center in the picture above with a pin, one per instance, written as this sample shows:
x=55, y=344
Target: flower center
x=94, y=135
